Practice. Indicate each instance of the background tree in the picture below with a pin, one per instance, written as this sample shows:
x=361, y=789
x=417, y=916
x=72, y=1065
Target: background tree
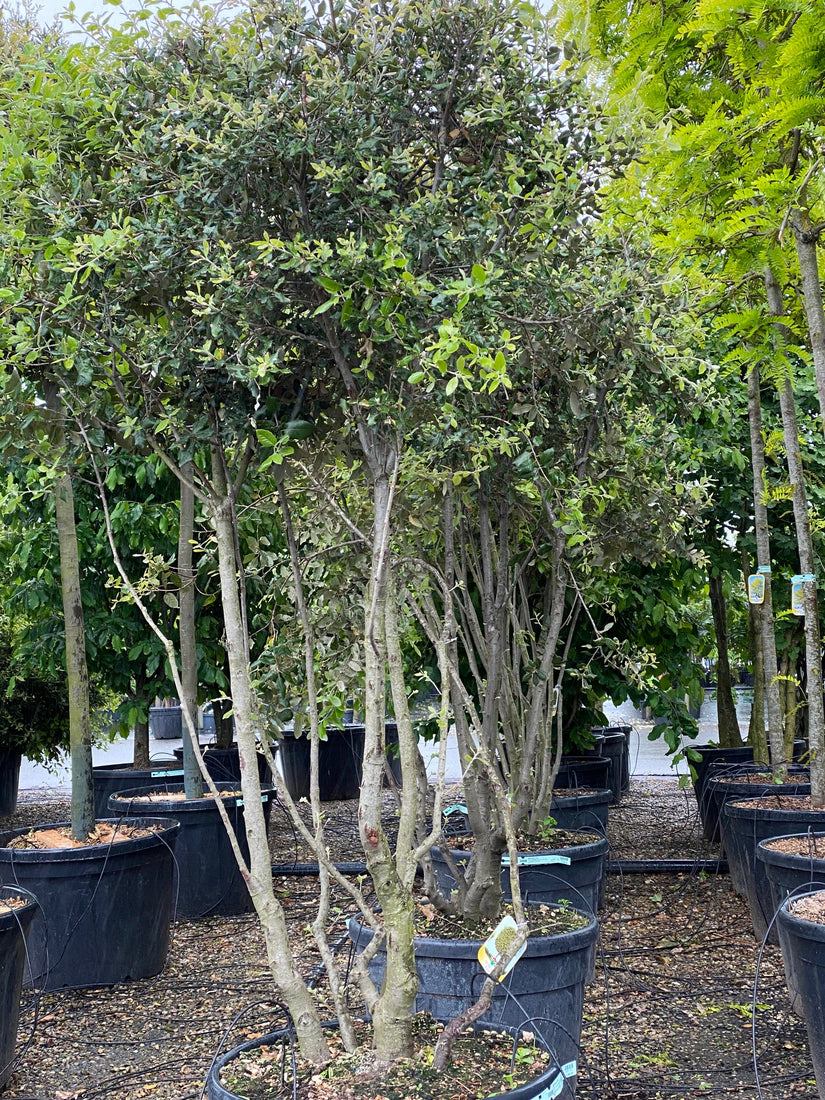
x=744, y=95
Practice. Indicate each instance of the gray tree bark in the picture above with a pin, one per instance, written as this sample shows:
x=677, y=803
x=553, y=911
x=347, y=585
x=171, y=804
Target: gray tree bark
x=192, y=778
x=77, y=673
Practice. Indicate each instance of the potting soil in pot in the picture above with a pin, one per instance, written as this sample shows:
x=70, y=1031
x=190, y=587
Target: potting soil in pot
x=484, y=1062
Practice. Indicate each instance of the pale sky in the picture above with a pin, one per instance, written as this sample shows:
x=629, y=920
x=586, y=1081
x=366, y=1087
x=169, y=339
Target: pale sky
x=49, y=9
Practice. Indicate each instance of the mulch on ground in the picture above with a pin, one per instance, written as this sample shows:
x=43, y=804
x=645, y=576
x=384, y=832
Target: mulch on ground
x=673, y=1011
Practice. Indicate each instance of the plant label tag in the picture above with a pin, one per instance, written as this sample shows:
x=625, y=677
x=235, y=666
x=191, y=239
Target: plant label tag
x=455, y=820
x=555, y=1088
x=798, y=592
x=239, y=802
x=166, y=772
x=756, y=588
x=537, y=859
x=496, y=947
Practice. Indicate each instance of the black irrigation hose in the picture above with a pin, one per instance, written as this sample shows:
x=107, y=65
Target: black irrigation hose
x=667, y=866
x=305, y=869
x=614, y=866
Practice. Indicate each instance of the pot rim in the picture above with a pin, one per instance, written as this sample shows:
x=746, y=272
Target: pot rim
x=599, y=842
x=744, y=807
x=806, y=929
x=770, y=855
x=136, y=798
x=555, y=943
x=168, y=828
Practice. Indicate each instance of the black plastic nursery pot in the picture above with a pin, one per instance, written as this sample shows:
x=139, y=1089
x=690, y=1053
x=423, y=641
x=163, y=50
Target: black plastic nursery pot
x=581, y=809
x=556, y=1080
x=803, y=950
x=555, y=876
x=793, y=872
x=9, y=781
x=733, y=782
x=340, y=761
x=616, y=747
x=543, y=993
x=166, y=723
x=710, y=754
x=14, y=928
x=209, y=882
x=596, y=748
x=790, y=874
x=748, y=822
x=584, y=771
x=110, y=779
x=224, y=765
x=628, y=733
x=104, y=911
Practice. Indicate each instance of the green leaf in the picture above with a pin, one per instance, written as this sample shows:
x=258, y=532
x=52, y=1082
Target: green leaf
x=330, y=284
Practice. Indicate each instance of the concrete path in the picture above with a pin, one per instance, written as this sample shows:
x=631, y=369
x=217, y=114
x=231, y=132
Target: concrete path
x=646, y=757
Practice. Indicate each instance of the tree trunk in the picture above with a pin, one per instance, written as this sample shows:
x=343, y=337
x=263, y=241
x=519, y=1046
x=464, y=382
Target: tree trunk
x=224, y=729
x=806, y=243
x=729, y=733
x=292, y=986
x=77, y=673
x=813, y=642
x=141, y=758
x=764, y=612
x=138, y=696
x=192, y=778
x=393, y=1011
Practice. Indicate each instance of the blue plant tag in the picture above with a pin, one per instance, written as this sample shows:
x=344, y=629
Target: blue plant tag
x=165, y=773
x=554, y=1089
x=537, y=859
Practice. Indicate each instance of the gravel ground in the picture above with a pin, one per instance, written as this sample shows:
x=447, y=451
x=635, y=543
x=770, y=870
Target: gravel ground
x=669, y=1014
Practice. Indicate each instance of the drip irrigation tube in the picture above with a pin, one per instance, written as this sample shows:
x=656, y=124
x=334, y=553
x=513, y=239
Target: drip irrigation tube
x=305, y=869
x=614, y=866
x=668, y=866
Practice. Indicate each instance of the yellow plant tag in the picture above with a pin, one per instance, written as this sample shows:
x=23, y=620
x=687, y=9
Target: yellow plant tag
x=493, y=950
